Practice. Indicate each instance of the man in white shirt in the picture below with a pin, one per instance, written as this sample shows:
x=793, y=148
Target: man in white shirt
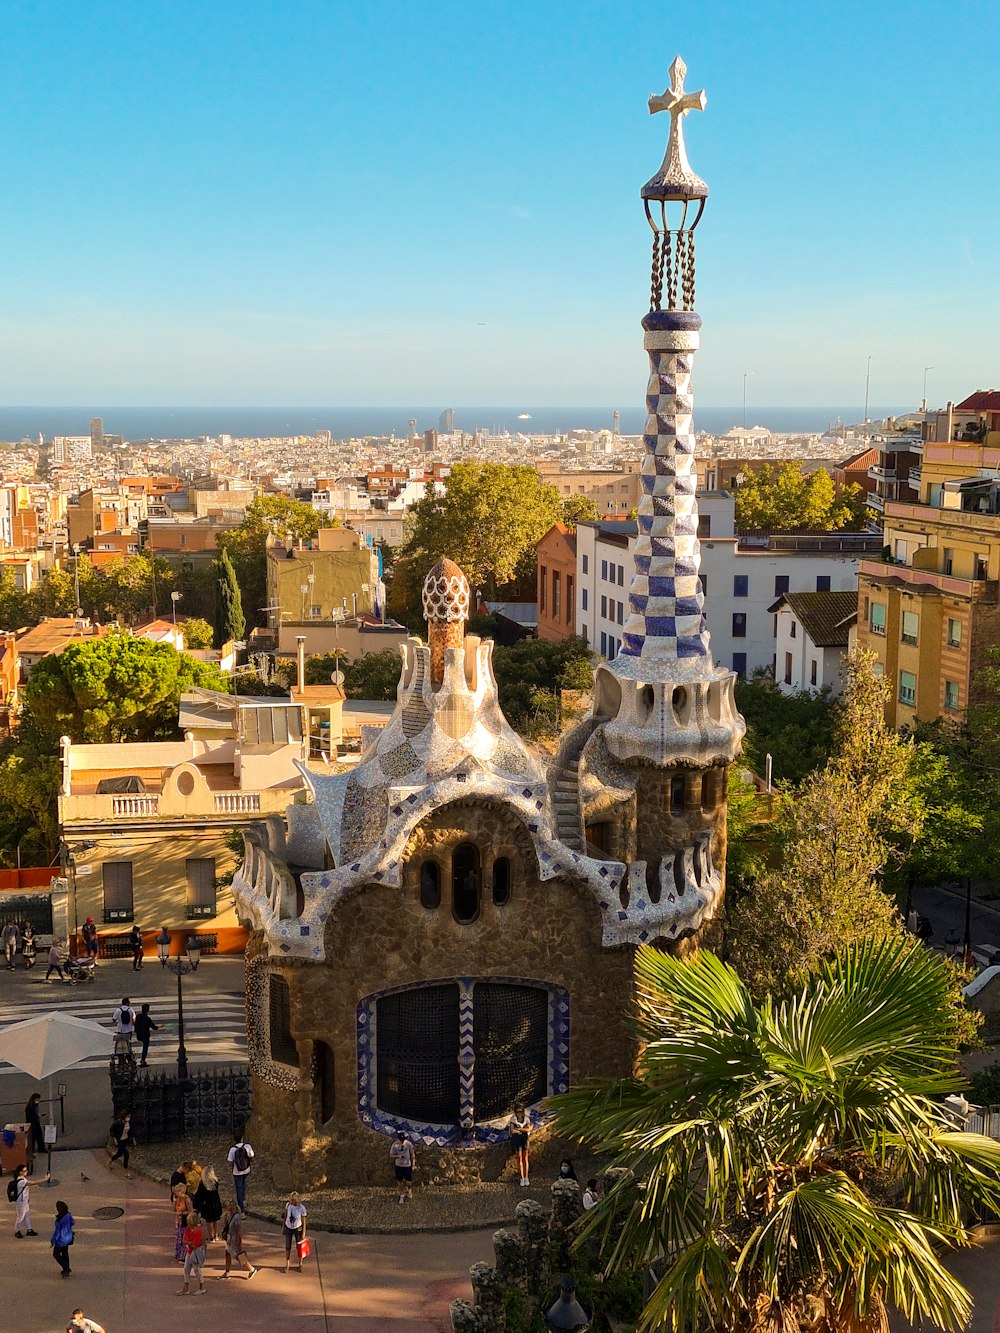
x=81, y=1324
x=240, y=1159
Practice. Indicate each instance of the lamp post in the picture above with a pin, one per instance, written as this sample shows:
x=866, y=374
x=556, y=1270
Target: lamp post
x=175, y=597
x=76, y=578
x=180, y=966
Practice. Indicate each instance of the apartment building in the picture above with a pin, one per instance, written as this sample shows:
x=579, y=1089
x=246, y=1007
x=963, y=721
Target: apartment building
x=101, y=510
x=615, y=493
x=929, y=605
x=741, y=578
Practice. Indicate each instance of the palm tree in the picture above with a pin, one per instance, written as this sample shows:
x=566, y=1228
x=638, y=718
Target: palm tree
x=789, y=1165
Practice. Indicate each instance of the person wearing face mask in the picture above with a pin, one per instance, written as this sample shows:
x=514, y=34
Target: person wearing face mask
x=566, y=1170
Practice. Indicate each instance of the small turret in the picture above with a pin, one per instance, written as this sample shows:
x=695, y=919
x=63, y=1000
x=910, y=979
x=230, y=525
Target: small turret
x=446, y=597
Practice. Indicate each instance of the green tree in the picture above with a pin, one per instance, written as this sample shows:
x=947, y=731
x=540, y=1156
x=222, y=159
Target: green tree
x=115, y=688
x=788, y=1165
x=579, y=509
x=488, y=518
x=530, y=675
x=29, y=824
x=198, y=633
x=837, y=833
x=787, y=499
x=16, y=609
x=796, y=730
x=230, y=623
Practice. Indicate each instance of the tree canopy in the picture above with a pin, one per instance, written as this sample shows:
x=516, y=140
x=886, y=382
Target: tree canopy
x=115, y=688
x=787, y=1165
x=787, y=499
x=230, y=622
x=488, y=518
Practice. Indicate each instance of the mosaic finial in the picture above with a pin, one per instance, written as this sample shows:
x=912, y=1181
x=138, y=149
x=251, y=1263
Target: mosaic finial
x=675, y=179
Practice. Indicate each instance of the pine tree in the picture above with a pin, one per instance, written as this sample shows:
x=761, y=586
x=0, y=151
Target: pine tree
x=230, y=623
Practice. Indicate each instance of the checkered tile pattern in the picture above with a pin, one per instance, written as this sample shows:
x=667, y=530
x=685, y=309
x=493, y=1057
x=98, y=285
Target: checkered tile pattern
x=666, y=607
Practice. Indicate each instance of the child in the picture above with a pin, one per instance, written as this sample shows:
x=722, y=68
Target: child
x=194, y=1255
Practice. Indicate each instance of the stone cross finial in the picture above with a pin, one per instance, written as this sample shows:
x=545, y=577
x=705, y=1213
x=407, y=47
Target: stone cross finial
x=675, y=175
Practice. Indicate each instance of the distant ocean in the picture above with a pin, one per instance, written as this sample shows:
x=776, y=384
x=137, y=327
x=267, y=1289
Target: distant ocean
x=158, y=423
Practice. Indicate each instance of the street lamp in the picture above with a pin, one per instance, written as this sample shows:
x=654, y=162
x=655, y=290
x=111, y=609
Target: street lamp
x=76, y=578
x=180, y=966
x=567, y=1315
x=175, y=597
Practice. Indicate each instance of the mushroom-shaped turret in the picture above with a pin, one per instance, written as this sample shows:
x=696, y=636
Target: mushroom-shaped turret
x=446, y=598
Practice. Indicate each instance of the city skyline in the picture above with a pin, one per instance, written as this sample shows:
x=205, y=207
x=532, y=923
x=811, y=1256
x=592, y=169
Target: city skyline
x=246, y=206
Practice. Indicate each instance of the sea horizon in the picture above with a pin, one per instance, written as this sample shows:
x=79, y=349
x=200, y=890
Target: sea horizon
x=139, y=423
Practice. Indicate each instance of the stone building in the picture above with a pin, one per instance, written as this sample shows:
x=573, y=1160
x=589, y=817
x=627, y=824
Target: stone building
x=447, y=929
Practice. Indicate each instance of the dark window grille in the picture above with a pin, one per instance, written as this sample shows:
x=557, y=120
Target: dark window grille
x=417, y=1036
x=510, y=1036
x=283, y=1048
x=118, y=904
x=430, y=885
x=465, y=882
x=324, y=1081
x=501, y=881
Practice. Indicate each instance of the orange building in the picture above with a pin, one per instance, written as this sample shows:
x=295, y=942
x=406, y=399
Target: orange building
x=556, y=566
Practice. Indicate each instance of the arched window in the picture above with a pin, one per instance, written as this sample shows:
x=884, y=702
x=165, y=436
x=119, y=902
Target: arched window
x=677, y=794
x=466, y=882
x=501, y=881
x=430, y=885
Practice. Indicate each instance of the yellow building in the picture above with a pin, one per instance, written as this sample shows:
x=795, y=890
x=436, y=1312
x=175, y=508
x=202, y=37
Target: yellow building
x=147, y=827
x=930, y=606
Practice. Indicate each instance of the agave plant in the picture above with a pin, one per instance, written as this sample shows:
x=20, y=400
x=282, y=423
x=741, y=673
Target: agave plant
x=789, y=1165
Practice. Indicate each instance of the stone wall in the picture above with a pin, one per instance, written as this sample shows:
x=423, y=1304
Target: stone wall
x=382, y=937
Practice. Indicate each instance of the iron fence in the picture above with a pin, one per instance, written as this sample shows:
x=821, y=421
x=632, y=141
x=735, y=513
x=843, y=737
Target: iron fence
x=165, y=1108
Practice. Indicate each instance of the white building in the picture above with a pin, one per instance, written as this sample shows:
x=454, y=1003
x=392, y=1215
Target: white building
x=813, y=634
x=741, y=578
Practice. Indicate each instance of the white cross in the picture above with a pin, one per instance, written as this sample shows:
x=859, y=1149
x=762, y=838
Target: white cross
x=678, y=103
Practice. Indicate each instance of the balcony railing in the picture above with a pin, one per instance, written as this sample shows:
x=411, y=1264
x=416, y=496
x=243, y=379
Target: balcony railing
x=879, y=473
x=133, y=807
x=237, y=802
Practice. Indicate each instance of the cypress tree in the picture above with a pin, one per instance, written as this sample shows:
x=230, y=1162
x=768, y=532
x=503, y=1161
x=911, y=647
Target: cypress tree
x=230, y=623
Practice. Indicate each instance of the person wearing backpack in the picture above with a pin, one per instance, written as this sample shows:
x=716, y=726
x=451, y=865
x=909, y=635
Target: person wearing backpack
x=241, y=1159
x=18, y=1188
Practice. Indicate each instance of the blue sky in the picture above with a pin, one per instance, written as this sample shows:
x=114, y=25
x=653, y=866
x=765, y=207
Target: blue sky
x=303, y=203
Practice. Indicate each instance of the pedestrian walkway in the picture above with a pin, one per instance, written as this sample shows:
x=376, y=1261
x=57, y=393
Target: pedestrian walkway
x=214, y=1023
x=124, y=1275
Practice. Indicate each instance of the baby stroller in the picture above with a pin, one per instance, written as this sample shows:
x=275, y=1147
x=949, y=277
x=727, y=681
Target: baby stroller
x=80, y=969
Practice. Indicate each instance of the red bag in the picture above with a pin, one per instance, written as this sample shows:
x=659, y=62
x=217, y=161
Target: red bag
x=304, y=1248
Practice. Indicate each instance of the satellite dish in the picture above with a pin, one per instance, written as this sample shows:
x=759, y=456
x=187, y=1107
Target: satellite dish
x=337, y=678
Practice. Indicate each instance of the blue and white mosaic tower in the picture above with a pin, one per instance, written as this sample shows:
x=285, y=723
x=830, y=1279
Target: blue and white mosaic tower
x=668, y=711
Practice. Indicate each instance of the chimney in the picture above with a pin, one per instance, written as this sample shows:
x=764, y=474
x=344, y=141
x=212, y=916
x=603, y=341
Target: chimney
x=300, y=640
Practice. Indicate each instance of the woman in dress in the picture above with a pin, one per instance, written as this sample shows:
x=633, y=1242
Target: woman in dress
x=207, y=1202
x=29, y=947
x=520, y=1127
x=182, y=1206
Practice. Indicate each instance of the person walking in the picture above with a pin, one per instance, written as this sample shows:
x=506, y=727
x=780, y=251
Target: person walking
x=33, y=1119
x=135, y=941
x=519, y=1127
x=232, y=1234
x=123, y=1019
x=194, y=1255
x=11, y=943
x=29, y=947
x=144, y=1029
x=79, y=1323
x=241, y=1160
x=57, y=956
x=294, y=1228
x=62, y=1236
x=21, y=1200
x=121, y=1133
x=207, y=1203
x=90, y=941
x=403, y=1156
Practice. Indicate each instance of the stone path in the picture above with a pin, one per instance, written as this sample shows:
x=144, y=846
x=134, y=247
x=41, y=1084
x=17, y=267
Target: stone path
x=124, y=1275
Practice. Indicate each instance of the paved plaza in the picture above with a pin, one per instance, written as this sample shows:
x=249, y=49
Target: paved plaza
x=124, y=1275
